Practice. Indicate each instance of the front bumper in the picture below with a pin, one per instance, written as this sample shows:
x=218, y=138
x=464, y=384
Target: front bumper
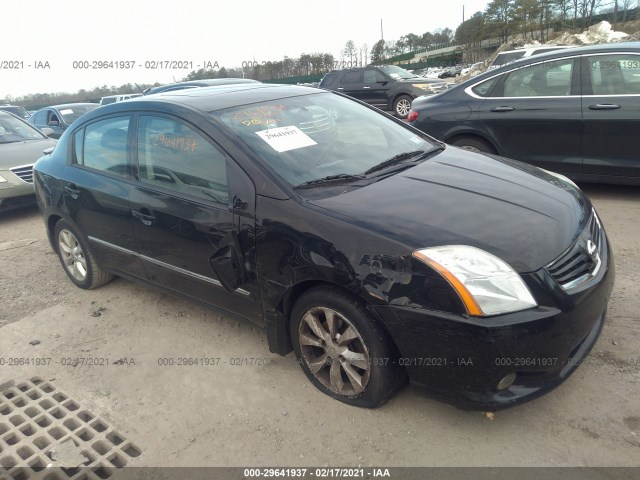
x=15, y=192
x=461, y=360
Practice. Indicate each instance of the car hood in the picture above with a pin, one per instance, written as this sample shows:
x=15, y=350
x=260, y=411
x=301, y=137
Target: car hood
x=518, y=212
x=23, y=153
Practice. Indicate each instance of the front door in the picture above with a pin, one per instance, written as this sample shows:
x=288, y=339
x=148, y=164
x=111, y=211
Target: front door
x=194, y=217
x=611, y=111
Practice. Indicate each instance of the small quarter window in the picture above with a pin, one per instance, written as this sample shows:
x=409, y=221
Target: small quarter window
x=483, y=89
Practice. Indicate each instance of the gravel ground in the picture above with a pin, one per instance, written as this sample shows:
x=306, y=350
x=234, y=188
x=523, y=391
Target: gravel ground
x=268, y=413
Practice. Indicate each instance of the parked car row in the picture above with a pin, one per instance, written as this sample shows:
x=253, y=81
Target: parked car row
x=20, y=146
x=387, y=87
x=574, y=111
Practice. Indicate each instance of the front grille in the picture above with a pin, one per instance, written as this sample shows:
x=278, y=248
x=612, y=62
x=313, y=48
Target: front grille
x=24, y=173
x=582, y=261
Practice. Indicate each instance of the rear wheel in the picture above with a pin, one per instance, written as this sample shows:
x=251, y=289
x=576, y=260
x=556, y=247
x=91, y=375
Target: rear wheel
x=473, y=144
x=342, y=349
x=402, y=105
x=77, y=261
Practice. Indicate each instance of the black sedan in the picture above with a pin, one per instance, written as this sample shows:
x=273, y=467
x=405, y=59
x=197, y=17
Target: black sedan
x=59, y=117
x=575, y=111
x=369, y=249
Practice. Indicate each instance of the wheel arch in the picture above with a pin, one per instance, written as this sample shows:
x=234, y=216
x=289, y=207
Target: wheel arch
x=464, y=134
x=277, y=321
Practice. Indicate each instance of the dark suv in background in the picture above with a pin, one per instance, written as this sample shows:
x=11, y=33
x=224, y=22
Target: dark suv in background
x=386, y=87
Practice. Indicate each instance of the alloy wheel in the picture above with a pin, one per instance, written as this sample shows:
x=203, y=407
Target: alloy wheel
x=334, y=351
x=72, y=255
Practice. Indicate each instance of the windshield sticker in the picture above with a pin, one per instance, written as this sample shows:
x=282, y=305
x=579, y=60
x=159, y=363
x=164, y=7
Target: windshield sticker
x=66, y=111
x=260, y=115
x=284, y=139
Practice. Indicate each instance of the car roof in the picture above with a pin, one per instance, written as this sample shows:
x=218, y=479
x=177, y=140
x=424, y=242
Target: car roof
x=200, y=83
x=582, y=50
x=218, y=97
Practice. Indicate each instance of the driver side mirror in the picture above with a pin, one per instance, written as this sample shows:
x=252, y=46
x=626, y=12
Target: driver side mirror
x=46, y=131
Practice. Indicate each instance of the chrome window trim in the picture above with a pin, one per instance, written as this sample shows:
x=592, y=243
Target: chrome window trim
x=160, y=263
x=469, y=91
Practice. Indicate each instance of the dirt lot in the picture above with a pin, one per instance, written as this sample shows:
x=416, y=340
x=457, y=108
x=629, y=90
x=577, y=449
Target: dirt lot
x=268, y=413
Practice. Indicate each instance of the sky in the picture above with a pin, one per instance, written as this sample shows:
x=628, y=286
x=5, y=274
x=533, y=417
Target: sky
x=46, y=44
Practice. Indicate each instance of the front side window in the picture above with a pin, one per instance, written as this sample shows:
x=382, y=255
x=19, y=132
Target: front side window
x=615, y=74
x=40, y=118
x=373, y=76
x=546, y=79
x=104, y=145
x=174, y=156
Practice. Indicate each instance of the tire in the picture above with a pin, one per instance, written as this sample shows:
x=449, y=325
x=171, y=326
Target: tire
x=362, y=371
x=76, y=258
x=473, y=144
x=402, y=105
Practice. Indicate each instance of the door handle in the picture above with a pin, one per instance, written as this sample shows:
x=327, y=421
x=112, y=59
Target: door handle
x=366, y=87
x=604, y=106
x=72, y=190
x=503, y=109
x=143, y=217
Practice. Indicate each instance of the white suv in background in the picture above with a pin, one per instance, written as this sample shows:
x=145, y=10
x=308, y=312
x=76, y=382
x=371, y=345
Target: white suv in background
x=509, y=56
x=118, y=98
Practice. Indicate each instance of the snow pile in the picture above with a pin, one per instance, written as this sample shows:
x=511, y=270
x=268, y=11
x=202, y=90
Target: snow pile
x=598, y=33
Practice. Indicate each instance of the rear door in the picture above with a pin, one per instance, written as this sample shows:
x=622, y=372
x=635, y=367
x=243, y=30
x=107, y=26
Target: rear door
x=534, y=114
x=611, y=111
x=352, y=84
x=194, y=216
x=96, y=192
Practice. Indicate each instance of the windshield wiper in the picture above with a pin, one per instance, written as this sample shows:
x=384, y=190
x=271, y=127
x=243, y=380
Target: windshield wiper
x=401, y=157
x=329, y=179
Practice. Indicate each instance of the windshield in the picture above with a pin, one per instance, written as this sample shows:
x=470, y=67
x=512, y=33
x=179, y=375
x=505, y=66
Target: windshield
x=316, y=136
x=13, y=129
x=397, y=72
x=72, y=112
x=16, y=110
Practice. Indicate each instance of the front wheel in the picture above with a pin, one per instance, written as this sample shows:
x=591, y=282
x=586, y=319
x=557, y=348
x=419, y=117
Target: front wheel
x=402, y=106
x=77, y=261
x=342, y=349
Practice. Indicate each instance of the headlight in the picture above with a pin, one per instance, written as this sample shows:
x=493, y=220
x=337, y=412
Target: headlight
x=485, y=284
x=2, y=179
x=423, y=86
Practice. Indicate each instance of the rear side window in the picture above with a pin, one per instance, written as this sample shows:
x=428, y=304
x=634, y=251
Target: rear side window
x=174, y=156
x=615, y=74
x=547, y=79
x=103, y=145
x=351, y=77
